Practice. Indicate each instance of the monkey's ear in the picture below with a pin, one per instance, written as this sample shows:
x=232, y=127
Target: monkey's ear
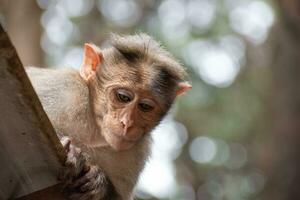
x=92, y=58
x=183, y=87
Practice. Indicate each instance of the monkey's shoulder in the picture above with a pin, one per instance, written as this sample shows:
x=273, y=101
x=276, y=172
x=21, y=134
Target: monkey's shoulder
x=60, y=78
x=60, y=90
x=50, y=73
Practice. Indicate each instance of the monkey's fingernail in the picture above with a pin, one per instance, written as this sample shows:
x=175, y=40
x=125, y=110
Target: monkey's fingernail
x=86, y=168
x=69, y=163
x=65, y=141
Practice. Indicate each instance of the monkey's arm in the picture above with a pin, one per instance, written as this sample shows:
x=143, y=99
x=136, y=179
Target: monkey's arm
x=53, y=88
x=81, y=180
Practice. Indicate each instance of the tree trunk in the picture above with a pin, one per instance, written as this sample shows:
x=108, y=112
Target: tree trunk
x=30, y=151
x=22, y=20
x=285, y=175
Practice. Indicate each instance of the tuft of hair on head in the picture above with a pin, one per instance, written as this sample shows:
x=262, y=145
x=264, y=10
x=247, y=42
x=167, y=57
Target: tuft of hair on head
x=141, y=46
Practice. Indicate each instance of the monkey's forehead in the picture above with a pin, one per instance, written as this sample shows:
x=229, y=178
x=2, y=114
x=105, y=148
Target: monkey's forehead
x=146, y=61
x=156, y=83
x=144, y=75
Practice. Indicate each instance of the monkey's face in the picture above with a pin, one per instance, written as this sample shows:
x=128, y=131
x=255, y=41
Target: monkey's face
x=133, y=84
x=131, y=113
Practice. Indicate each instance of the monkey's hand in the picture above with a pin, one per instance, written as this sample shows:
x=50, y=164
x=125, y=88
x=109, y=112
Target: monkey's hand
x=81, y=181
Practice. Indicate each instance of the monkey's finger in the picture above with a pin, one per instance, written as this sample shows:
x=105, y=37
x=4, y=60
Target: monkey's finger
x=90, y=185
x=74, y=156
x=61, y=174
x=66, y=175
x=76, y=162
x=86, y=168
x=92, y=173
x=65, y=141
x=93, y=184
x=79, y=182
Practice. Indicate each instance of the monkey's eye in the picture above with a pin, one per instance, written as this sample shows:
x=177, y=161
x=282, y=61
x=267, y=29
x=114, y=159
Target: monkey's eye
x=146, y=105
x=124, y=96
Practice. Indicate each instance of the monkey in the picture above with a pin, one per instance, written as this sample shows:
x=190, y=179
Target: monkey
x=104, y=112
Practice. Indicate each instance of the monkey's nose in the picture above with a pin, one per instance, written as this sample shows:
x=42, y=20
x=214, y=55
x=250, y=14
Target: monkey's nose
x=127, y=123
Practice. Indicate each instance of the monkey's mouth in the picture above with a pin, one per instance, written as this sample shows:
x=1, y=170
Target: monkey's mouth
x=120, y=143
x=124, y=138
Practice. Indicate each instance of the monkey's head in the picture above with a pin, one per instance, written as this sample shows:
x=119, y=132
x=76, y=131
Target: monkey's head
x=133, y=84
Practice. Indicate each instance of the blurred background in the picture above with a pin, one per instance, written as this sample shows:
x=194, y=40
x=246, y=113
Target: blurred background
x=236, y=135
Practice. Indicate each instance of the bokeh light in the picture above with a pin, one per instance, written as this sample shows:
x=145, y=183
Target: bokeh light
x=76, y=8
x=201, y=13
x=238, y=156
x=158, y=169
x=203, y=149
x=73, y=57
x=216, y=63
x=124, y=13
x=252, y=19
x=168, y=140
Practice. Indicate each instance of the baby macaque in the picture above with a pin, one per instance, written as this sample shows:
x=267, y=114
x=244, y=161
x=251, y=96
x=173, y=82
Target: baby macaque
x=107, y=110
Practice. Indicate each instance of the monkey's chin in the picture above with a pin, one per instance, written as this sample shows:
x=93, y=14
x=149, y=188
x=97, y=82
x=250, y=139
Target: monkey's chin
x=118, y=143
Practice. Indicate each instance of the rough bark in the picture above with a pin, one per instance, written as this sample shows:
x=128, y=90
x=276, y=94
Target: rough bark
x=22, y=20
x=30, y=151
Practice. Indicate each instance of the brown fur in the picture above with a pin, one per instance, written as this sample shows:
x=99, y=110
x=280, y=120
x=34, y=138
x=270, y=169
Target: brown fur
x=87, y=110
